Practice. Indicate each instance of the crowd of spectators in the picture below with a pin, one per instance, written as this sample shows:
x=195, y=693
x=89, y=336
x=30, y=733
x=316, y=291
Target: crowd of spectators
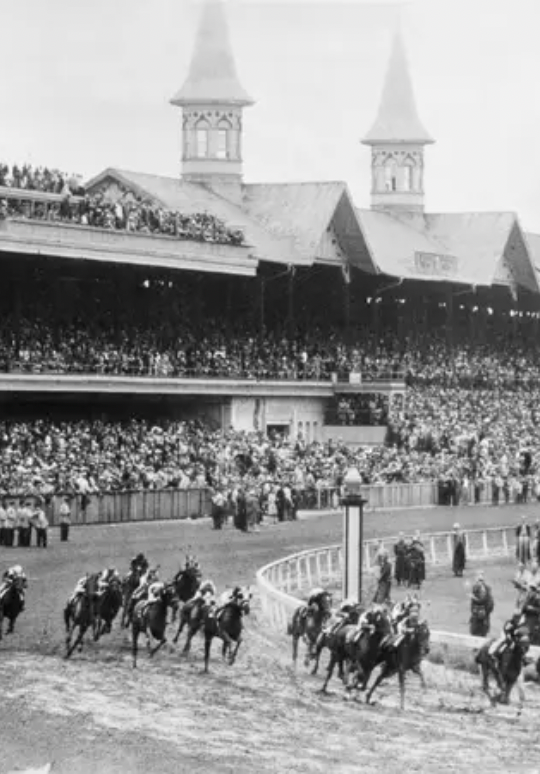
x=468, y=438
x=42, y=345
x=127, y=214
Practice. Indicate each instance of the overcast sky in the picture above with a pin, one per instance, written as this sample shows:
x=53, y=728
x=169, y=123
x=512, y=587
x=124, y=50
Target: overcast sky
x=85, y=84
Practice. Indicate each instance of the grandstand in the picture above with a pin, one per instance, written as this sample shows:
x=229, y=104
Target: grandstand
x=266, y=307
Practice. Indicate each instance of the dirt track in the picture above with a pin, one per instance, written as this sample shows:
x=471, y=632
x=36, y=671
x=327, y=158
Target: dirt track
x=95, y=713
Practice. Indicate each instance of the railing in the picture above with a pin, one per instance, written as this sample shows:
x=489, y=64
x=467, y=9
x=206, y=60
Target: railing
x=131, y=506
x=420, y=495
x=285, y=583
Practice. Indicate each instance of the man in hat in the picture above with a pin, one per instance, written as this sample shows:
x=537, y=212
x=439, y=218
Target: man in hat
x=482, y=605
x=523, y=541
x=459, y=552
x=41, y=524
x=400, y=553
x=531, y=611
x=11, y=520
x=65, y=520
x=3, y=522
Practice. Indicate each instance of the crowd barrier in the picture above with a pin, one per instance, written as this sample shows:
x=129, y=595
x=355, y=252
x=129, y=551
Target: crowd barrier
x=132, y=506
x=283, y=584
x=421, y=495
x=152, y=505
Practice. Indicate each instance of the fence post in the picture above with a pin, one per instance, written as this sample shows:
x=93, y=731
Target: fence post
x=505, y=542
x=432, y=549
x=485, y=543
x=449, y=544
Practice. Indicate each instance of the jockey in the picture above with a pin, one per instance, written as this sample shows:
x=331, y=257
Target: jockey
x=228, y=597
x=150, y=576
x=409, y=624
x=314, y=600
x=139, y=563
x=207, y=592
x=154, y=592
x=14, y=574
x=105, y=578
x=342, y=617
x=80, y=589
x=506, y=639
x=401, y=610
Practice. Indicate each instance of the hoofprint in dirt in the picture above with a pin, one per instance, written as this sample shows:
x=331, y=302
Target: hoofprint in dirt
x=269, y=719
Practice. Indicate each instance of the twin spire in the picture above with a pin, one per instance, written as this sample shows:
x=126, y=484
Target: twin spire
x=212, y=74
x=212, y=99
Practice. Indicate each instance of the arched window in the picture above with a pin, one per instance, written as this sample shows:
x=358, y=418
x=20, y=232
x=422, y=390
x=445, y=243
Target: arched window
x=408, y=181
x=390, y=175
x=222, y=150
x=202, y=130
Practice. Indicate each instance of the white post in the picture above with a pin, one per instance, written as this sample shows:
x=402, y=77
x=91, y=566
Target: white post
x=485, y=543
x=352, y=537
x=505, y=541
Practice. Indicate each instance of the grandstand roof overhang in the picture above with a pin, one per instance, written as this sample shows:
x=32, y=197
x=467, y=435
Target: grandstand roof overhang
x=476, y=249
x=295, y=224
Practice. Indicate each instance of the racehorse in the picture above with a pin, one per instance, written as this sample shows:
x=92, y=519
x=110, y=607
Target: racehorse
x=362, y=647
x=504, y=667
x=193, y=616
x=129, y=583
x=306, y=624
x=334, y=639
x=406, y=656
x=186, y=582
x=106, y=608
x=152, y=620
x=12, y=604
x=228, y=625
x=79, y=614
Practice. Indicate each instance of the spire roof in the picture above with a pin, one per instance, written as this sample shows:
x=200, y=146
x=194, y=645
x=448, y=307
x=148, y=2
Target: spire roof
x=397, y=120
x=212, y=74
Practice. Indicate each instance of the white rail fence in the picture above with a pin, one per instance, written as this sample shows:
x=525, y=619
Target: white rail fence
x=283, y=584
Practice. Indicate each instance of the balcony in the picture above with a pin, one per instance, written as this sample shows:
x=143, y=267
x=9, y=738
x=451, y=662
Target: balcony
x=68, y=240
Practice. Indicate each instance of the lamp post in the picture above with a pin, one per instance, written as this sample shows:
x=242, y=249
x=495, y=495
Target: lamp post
x=353, y=536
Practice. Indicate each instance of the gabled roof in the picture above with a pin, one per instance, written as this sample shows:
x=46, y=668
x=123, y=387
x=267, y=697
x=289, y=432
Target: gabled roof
x=533, y=244
x=190, y=198
x=394, y=244
x=299, y=211
x=397, y=119
x=212, y=74
x=466, y=248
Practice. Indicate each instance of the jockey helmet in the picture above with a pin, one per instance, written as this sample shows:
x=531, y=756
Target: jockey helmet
x=456, y=525
x=17, y=569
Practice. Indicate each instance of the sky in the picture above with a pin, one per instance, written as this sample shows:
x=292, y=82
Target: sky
x=86, y=84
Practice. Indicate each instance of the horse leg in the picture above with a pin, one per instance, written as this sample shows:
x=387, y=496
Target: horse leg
x=192, y=631
x=160, y=644
x=317, y=657
x=78, y=641
x=180, y=628
x=329, y=673
x=380, y=677
x=295, y=648
x=1, y=620
x=401, y=678
x=134, y=643
x=232, y=659
x=207, y=646
x=11, y=626
x=418, y=671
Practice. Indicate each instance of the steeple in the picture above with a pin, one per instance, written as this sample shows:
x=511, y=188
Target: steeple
x=397, y=140
x=212, y=100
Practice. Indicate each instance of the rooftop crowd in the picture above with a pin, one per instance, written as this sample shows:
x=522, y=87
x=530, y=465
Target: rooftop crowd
x=128, y=214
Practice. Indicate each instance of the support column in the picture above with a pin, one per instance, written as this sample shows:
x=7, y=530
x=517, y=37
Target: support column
x=290, y=298
x=262, y=300
x=353, y=538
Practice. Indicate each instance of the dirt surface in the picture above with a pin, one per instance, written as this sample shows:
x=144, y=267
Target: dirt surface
x=95, y=714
